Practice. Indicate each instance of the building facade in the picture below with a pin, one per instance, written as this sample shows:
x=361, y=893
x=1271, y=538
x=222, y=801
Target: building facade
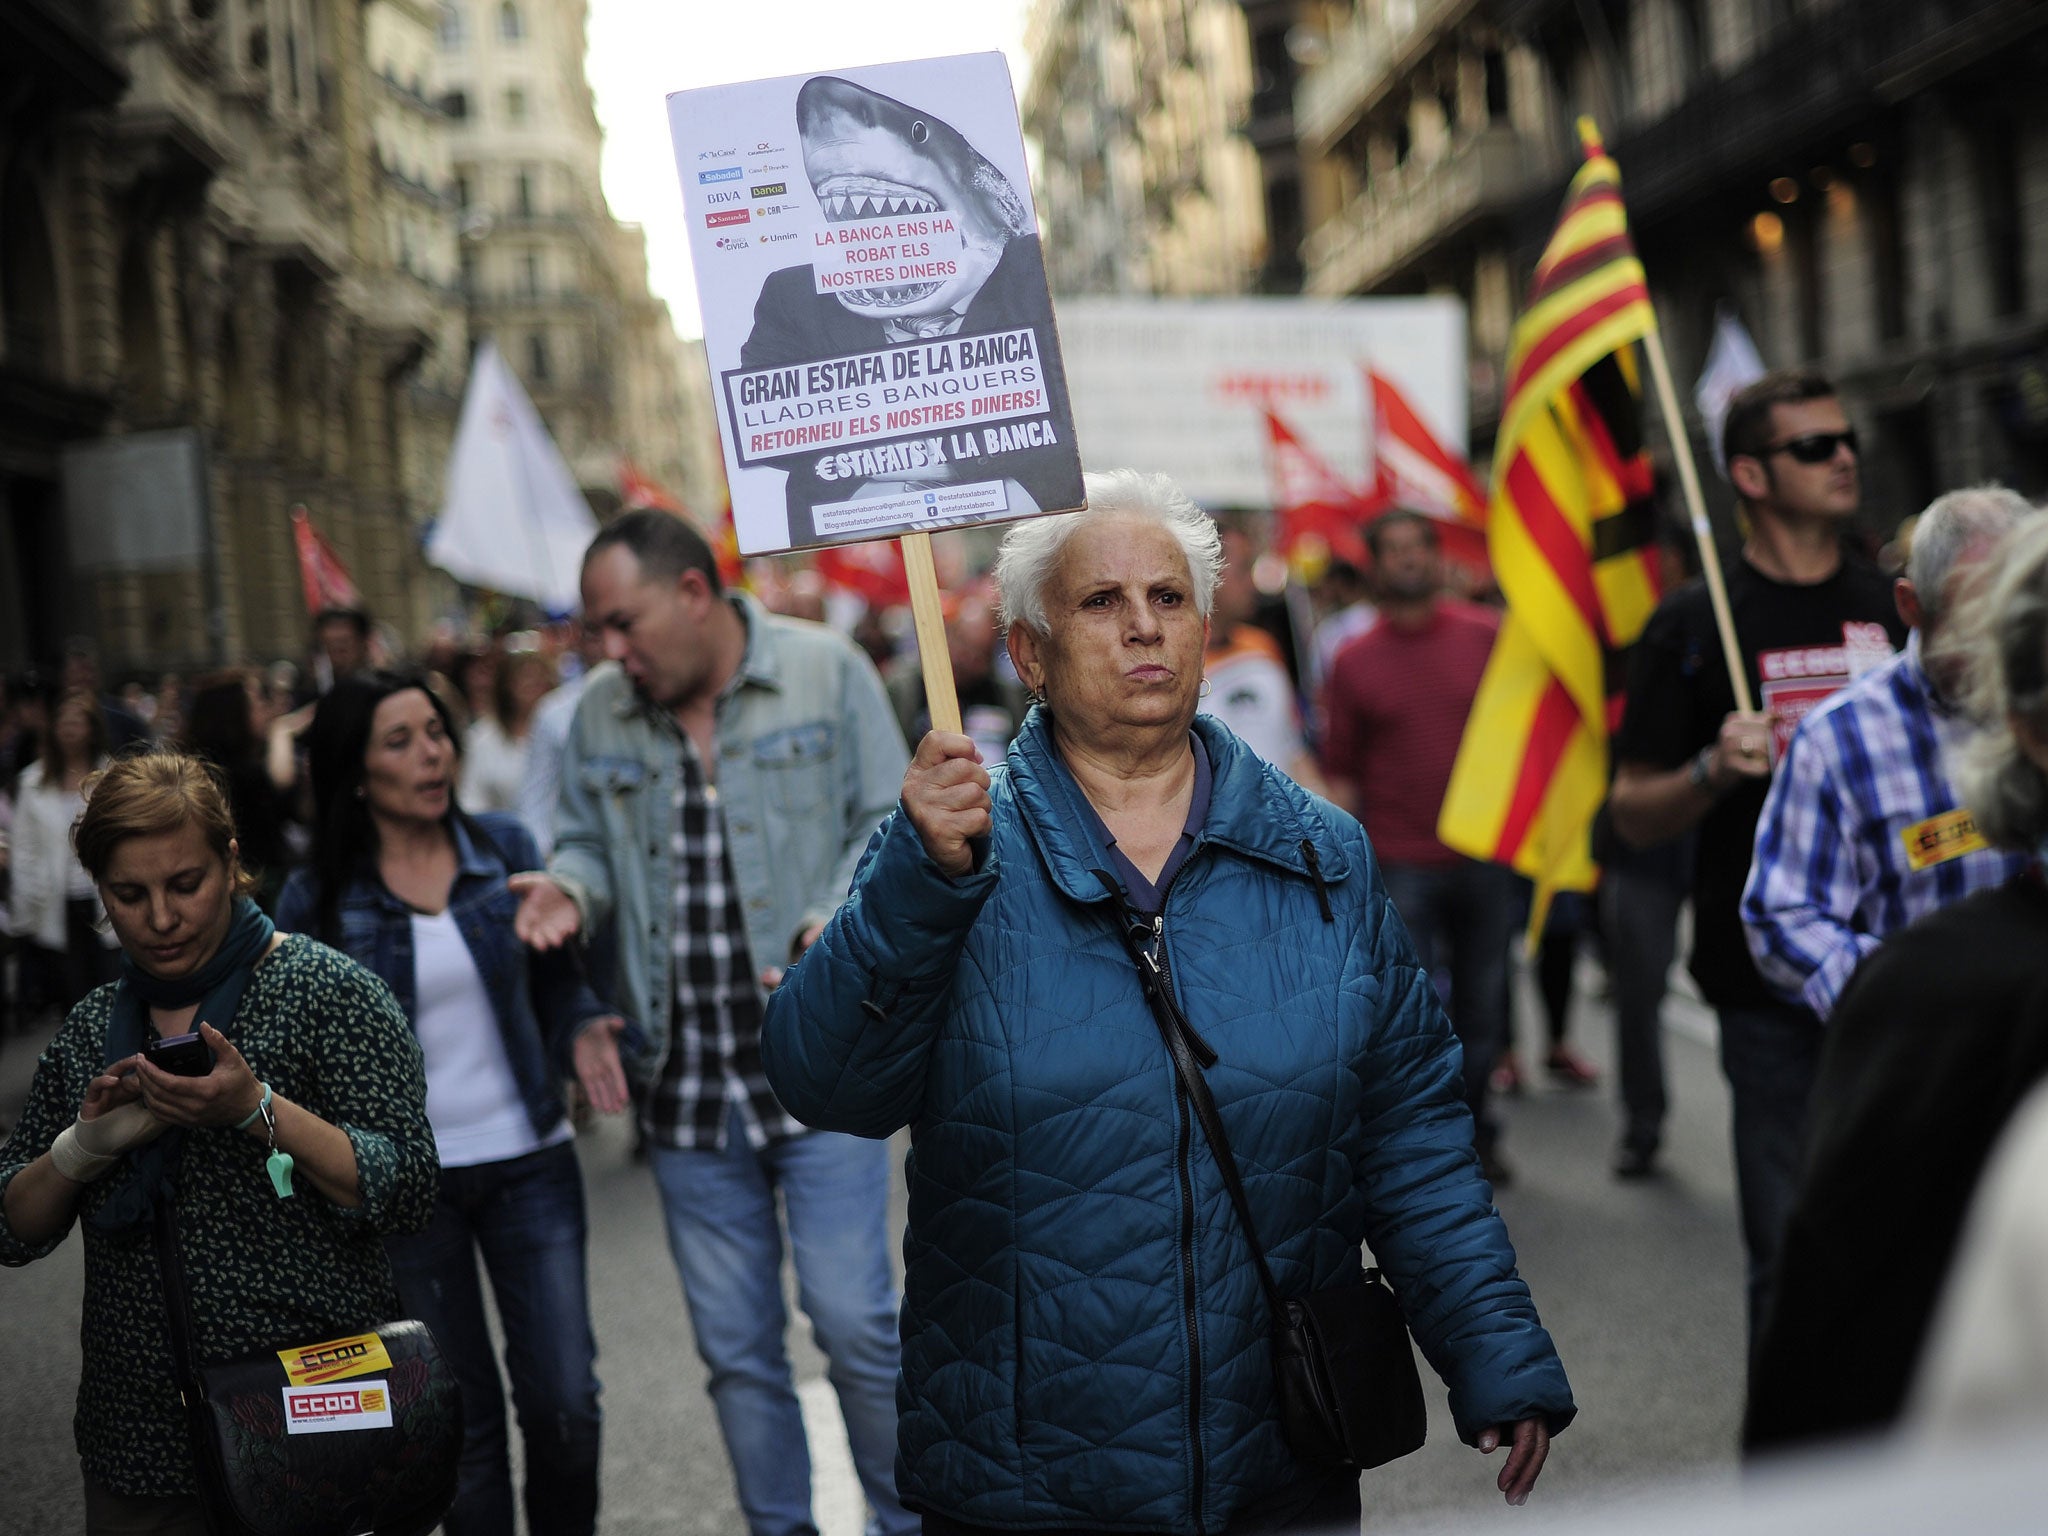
x=196, y=333
x=243, y=259
x=1865, y=182
x=1147, y=181
x=548, y=273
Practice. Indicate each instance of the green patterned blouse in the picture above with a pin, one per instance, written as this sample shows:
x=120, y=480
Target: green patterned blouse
x=264, y=1273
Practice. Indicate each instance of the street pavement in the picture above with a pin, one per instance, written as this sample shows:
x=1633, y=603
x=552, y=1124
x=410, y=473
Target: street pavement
x=1641, y=1284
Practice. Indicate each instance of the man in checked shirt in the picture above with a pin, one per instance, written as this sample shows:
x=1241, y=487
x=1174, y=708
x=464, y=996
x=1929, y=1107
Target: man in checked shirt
x=1862, y=831
x=722, y=776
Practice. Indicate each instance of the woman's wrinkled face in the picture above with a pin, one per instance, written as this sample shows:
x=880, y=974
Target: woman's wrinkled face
x=409, y=764
x=1123, y=640
x=170, y=899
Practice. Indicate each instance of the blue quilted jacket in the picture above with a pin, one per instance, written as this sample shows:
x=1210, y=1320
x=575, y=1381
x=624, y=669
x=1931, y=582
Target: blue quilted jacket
x=1084, y=1338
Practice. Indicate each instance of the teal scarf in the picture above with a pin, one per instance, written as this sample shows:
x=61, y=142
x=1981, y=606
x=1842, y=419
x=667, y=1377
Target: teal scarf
x=217, y=988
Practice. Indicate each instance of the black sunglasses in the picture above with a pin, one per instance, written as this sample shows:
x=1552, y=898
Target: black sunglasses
x=1815, y=447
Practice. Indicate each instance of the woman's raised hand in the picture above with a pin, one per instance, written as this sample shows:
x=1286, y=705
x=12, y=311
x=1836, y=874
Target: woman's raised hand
x=225, y=1096
x=945, y=794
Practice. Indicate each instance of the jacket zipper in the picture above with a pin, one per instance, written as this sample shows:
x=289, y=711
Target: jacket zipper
x=1183, y=1159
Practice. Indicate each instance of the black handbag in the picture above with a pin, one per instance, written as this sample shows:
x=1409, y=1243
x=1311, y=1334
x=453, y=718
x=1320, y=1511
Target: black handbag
x=1343, y=1369
x=358, y=1436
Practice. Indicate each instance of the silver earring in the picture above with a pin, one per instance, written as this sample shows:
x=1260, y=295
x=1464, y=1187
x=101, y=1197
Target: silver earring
x=1206, y=686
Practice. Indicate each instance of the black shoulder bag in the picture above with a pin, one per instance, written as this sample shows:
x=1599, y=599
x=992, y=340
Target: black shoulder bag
x=1343, y=1369
x=357, y=1436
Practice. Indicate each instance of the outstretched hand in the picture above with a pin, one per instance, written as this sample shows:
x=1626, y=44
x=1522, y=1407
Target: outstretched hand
x=1530, y=1448
x=945, y=794
x=547, y=918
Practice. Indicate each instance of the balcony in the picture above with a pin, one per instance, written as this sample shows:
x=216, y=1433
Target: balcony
x=172, y=120
x=1405, y=215
x=293, y=221
x=1366, y=59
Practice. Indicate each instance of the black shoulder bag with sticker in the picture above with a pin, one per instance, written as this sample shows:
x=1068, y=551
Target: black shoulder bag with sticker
x=353, y=1436
x=1343, y=1370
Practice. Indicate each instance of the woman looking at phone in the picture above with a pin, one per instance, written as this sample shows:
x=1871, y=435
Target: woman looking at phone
x=410, y=885
x=300, y=1052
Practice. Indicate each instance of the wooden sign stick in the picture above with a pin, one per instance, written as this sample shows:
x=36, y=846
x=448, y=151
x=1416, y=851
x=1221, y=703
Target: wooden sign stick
x=1696, y=509
x=941, y=698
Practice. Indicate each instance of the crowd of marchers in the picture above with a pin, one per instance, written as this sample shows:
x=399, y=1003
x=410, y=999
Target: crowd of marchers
x=1188, y=1011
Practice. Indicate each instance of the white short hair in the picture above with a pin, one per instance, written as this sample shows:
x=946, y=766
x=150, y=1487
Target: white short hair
x=1031, y=550
x=2004, y=637
x=1950, y=525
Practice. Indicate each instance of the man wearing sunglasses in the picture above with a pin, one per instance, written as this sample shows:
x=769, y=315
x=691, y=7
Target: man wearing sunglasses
x=1809, y=617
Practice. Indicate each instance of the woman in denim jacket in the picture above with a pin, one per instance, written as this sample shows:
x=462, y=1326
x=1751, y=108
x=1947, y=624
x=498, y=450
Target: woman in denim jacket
x=407, y=884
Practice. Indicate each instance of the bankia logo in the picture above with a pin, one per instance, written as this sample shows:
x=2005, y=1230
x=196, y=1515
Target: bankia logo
x=728, y=216
x=769, y=189
x=722, y=173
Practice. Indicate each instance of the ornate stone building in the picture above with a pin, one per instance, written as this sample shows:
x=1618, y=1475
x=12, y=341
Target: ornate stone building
x=200, y=327
x=547, y=271
x=244, y=246
x=1864, y=181
x=1147, y=180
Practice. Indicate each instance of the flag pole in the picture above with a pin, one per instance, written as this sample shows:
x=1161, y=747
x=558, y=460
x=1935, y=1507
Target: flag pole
x=1696, y=508
x=941, y=699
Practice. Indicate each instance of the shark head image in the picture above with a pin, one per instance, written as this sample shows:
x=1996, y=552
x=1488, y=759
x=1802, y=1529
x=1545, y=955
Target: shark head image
x=868, y=156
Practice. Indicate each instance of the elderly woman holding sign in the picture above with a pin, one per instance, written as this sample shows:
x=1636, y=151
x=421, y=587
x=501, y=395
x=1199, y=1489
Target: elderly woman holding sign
x=1169, y=1061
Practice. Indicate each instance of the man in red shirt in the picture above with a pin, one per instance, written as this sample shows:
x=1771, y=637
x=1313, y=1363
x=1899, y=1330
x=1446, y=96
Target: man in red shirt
x=1396, y=703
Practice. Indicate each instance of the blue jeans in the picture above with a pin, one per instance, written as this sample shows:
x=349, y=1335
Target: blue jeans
x=525, y=1217
x=727, y=1242
x=1770, y=1055
x=1462, y=916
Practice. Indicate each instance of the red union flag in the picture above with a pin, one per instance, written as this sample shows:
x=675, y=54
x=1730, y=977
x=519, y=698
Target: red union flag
x=1415, y=467
x=637, y=490
x=1312, y=501
x=873, y=571
x=1572, y=534
x=323, y=580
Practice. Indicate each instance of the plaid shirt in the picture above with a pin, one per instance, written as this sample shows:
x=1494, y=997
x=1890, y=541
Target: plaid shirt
x=714, y=1057
x=1861, y=833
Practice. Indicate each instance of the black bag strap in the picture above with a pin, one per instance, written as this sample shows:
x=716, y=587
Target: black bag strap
x=177, y=1300
x=1186, y=1047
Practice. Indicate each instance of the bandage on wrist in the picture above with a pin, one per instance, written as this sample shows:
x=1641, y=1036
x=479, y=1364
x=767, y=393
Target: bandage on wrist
x=71, y=1159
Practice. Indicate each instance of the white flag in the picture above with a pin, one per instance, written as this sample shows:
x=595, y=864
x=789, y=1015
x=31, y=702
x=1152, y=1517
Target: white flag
x=1732, y=362
x=513, y=520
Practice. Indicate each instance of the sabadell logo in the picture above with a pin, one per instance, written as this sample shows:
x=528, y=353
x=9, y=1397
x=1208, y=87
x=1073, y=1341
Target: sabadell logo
x=723, y=173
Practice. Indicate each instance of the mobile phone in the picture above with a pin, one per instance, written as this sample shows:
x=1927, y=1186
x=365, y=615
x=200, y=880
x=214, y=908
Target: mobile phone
x=180, y=1055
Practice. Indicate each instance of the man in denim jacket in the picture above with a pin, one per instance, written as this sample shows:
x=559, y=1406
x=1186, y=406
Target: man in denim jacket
x=720, y=781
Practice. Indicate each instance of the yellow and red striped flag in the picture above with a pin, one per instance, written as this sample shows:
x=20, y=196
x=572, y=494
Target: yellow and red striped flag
x=1572, y=533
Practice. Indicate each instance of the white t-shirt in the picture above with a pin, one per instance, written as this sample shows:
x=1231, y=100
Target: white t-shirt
x=473, y=1100
x=493, y=767
x=1250, y=691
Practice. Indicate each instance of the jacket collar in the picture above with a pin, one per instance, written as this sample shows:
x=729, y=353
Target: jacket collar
x=1251, y=811
x=474, y=860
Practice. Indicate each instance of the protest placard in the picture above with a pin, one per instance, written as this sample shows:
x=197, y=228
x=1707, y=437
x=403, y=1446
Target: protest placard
x=875, y=308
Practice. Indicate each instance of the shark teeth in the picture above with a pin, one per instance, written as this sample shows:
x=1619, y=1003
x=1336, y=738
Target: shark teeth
x=840, y=207
x=892, y=298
